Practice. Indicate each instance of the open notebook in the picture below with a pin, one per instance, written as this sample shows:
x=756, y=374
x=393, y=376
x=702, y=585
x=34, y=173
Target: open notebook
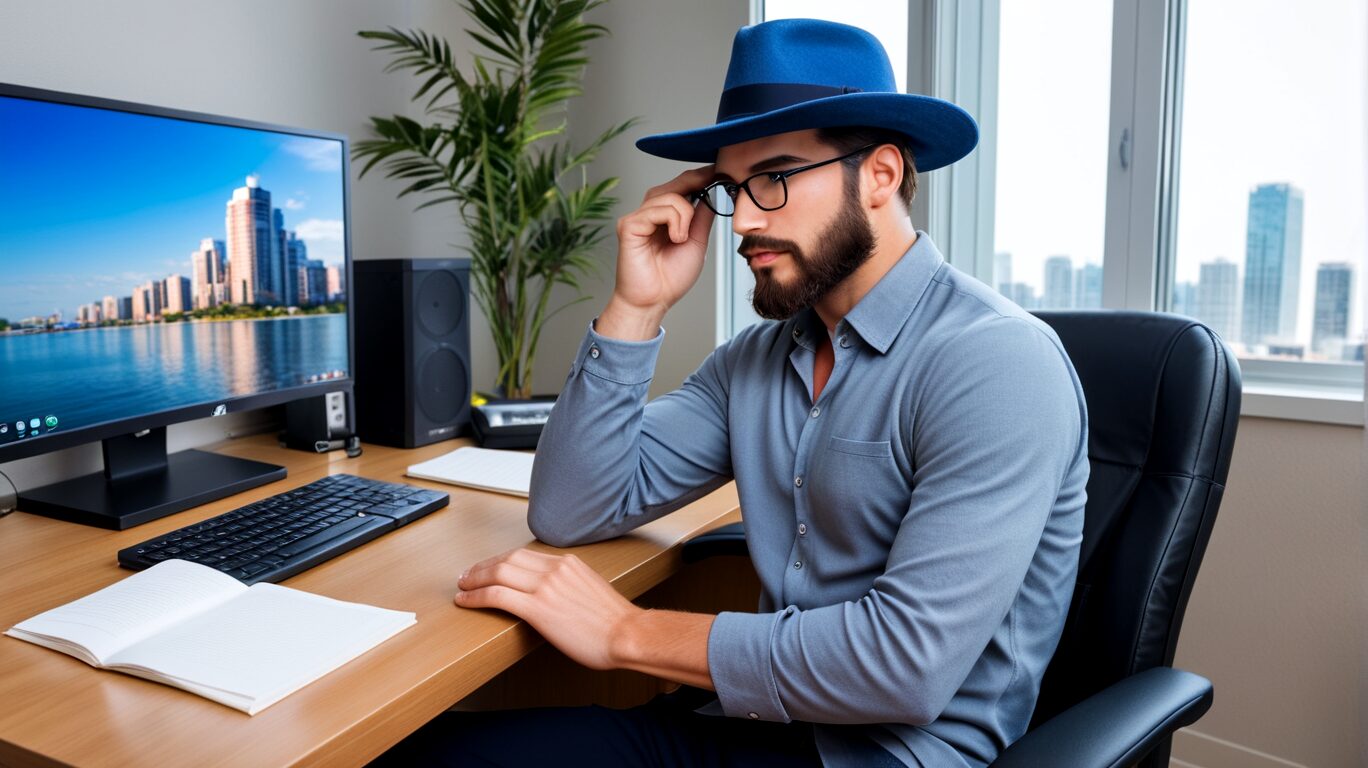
x=189, y=626
x=483, y=468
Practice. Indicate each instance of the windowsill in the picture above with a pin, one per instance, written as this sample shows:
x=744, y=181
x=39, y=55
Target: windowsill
x=1325, y=405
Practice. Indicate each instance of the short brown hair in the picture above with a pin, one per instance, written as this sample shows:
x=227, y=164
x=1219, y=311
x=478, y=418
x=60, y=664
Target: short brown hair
x=845, y=140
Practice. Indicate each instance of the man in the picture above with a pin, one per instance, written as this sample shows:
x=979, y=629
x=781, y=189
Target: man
x=909, y=449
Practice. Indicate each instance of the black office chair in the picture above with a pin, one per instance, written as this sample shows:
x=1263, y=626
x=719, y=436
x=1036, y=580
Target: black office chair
x=1163, y=398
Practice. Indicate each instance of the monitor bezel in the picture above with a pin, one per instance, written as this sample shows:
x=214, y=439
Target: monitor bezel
x=56, y=441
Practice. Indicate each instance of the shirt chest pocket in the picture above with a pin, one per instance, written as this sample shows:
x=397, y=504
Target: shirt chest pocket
x=858, y=492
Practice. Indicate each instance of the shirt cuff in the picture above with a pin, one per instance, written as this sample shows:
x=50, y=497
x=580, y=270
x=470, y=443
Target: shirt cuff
x=741, y=663
x=616, y=360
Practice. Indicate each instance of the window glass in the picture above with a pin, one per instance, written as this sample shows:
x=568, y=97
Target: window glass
x=1270, y=232
x=1054, y=64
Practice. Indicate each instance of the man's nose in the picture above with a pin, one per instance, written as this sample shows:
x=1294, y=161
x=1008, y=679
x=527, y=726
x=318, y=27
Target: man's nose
x=748, y=219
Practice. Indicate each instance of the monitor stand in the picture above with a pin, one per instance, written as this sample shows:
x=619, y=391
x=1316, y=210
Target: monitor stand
x=140, y=483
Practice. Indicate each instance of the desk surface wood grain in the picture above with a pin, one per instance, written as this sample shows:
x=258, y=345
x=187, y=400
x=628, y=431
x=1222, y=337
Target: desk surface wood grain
x=57, y=710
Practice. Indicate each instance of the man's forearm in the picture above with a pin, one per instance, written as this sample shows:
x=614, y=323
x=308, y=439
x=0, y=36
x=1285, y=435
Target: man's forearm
x=667, y=644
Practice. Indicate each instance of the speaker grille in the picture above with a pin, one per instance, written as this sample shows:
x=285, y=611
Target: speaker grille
x=441, y=304
x=442, y=388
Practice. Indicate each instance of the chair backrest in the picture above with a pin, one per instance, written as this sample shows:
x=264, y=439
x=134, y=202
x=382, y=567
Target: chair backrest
x=1163, y=395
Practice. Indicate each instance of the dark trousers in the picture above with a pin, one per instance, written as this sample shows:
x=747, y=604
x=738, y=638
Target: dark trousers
x=663, y=732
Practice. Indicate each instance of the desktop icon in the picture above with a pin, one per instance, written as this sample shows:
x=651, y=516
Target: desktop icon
x=19, y=426
x=33, y=423
x=4, y=428
x=51, y=421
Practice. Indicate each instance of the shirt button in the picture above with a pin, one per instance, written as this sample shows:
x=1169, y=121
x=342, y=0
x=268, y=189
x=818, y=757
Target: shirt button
x=816, y=411
x=594, y=352
x=845, y=342
x=753, y=716
x=802, y=529
x=788, y=611
x=797, y=565
x=798, y=481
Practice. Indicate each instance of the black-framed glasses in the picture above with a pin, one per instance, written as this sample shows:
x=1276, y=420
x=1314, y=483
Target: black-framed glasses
x=767, y=189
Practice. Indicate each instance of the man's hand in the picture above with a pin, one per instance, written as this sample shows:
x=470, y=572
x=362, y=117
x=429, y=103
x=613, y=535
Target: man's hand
x=661, y=246
x=566, y=601
x=581, y=614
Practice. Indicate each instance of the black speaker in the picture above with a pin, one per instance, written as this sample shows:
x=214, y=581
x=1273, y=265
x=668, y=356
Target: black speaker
x=412, y=350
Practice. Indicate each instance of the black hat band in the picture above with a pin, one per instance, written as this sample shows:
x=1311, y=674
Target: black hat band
x=758, y=98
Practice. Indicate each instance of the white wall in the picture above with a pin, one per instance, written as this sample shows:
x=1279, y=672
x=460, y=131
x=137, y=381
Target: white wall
x=296, y=63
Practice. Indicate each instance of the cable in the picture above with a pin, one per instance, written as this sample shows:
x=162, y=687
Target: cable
x=8, y=498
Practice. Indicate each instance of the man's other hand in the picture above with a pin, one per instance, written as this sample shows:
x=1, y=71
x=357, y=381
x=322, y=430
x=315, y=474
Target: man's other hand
x=661, y=247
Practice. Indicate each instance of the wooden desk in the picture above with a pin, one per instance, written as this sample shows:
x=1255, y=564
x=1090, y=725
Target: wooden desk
x=55, y=709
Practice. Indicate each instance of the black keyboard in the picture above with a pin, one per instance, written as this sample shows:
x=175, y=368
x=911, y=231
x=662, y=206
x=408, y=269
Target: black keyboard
x=277, y=537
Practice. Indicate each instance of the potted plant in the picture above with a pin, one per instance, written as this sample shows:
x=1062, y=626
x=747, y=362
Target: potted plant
x=492, y=142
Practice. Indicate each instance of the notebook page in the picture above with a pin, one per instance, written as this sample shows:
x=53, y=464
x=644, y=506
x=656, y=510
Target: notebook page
x=263, y=644
x=130, y=610
x=483, y=468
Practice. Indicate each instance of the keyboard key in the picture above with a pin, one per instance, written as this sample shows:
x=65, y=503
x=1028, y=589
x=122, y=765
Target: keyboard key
x=309, y=542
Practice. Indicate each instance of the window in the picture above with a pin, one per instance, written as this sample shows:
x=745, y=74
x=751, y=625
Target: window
x=1232, y=168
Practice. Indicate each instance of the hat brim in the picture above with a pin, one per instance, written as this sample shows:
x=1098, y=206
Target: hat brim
x=938, y=132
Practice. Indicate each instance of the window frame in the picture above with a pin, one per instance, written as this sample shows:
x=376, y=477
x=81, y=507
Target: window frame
x=952, y=54
x=1148, y=45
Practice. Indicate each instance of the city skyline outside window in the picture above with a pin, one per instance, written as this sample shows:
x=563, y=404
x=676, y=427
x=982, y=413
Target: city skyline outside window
x=1270, y=232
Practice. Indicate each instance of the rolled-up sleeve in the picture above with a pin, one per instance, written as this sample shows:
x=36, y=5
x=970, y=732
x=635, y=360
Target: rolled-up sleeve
x=994, y=438
x=741, y=660
x=608, y=461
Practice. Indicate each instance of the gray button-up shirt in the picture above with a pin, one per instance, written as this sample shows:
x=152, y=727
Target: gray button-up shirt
x=915, y=530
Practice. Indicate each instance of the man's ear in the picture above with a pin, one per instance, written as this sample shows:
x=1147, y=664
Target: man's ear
x=882, y=175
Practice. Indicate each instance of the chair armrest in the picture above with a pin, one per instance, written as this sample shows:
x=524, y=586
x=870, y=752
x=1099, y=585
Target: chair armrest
x=1116, y=726
x=724, y=540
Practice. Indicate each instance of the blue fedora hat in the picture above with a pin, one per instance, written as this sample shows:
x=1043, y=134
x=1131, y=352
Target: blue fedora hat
x=795, y=74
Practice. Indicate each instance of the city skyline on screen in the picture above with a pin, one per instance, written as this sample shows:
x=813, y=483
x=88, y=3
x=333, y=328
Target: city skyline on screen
x=96, y=202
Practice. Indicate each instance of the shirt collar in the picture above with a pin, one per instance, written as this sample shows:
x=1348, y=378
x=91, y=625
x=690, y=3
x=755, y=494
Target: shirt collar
x=883, y=312
x=807, y=329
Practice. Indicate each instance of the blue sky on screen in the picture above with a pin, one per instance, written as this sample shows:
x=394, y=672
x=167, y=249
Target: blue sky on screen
x=94, y=202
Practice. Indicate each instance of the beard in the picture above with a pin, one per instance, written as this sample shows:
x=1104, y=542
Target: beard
x=841, y=248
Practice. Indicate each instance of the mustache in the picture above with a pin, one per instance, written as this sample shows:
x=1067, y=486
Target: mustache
x=766, y=243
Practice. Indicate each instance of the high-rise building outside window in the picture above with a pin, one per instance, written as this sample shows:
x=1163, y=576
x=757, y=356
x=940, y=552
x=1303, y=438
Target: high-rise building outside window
x=1273, y=245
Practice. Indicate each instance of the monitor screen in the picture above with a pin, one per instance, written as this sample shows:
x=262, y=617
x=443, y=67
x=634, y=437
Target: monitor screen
x=162, y=264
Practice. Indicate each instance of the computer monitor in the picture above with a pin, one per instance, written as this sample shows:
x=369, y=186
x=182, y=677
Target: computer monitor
x=158, y=266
